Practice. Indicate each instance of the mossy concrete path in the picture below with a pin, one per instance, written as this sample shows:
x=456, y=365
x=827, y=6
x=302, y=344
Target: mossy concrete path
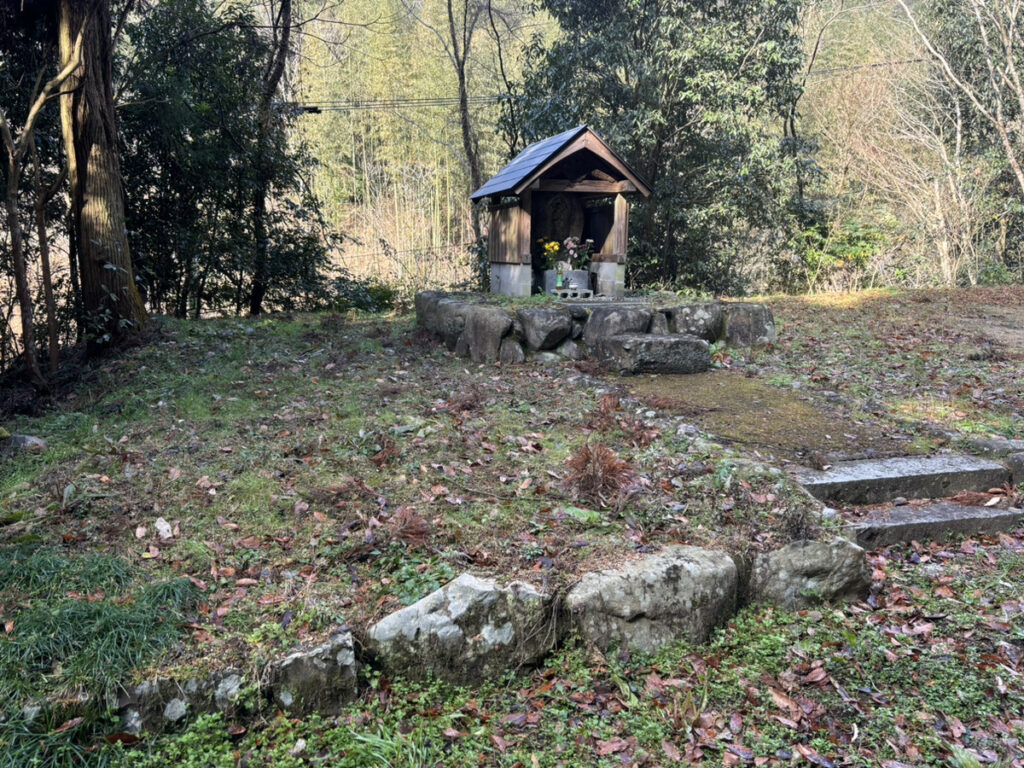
x=781, y=423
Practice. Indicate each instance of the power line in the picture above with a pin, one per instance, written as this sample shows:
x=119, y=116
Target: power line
x=392, y=104
x=355, y=255
x=855, y=67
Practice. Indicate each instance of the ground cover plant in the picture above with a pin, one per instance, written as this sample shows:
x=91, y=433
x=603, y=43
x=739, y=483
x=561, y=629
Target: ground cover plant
x=304, y=472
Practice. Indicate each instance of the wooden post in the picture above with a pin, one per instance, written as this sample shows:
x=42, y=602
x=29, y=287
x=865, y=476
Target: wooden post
x=620, y=228
x=525, y=247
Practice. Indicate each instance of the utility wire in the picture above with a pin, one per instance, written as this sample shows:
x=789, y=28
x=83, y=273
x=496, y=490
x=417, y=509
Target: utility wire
x=355, y=255
x=855, y=67
x=368, y=105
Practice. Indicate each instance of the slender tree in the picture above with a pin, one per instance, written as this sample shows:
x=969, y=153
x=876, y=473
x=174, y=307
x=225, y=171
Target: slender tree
x=281, y=30
x=18, y=149
x=43, y=197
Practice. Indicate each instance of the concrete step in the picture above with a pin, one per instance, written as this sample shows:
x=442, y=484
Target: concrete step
x=934, y=522
x=914, y=477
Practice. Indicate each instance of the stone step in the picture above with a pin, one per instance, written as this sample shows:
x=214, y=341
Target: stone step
x=633, y=353
x=934, y=522
x=872, y=481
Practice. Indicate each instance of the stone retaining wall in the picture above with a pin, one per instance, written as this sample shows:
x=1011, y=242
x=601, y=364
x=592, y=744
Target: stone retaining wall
x=473, y=628
x=629, y=336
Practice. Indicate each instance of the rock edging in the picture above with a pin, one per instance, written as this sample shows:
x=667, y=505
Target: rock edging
x=628, y=337
x=473, y=627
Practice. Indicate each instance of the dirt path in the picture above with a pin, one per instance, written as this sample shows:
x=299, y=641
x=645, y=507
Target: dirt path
x=1003, y=326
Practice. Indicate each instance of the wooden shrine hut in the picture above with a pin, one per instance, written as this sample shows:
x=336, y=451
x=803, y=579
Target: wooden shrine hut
x=569, y=185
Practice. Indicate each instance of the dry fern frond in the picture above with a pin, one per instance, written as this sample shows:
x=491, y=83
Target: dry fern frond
x=597, y=474
x=409, y=527
x=464, y=400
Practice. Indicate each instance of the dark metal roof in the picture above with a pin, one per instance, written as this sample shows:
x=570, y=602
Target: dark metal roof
x=526, y=162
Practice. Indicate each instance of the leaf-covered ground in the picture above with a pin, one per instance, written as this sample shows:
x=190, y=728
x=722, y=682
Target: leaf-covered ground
x=323, y=470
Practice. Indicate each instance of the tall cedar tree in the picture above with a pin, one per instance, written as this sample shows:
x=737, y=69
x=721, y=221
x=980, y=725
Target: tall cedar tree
x=112, y=304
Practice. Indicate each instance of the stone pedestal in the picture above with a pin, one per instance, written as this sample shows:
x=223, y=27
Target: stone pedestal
x=580, y=277
x=609, y=278
x=511, y=279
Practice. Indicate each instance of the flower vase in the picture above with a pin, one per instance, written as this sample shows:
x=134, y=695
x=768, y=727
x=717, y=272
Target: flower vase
x=558, y=278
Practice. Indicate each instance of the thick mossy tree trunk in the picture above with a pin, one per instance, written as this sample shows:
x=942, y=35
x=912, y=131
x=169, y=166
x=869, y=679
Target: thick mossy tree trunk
x=112, y=304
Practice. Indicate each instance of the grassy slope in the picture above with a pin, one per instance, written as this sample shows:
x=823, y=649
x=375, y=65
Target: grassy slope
x=325, y=470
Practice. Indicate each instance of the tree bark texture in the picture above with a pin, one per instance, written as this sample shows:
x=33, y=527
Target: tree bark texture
x=112, y=304
x=280, y=46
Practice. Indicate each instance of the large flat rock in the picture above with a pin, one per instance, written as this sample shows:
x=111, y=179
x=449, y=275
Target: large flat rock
x=468, y=630
x=934, y=522
x=925, y=477
x=682, y=593
x=804, y=573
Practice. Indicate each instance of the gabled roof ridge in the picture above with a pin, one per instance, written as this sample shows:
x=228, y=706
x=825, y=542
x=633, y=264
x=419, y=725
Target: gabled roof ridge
x=527, y=161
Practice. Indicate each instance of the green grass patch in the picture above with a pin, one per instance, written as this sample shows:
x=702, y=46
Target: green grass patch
x=74, y=623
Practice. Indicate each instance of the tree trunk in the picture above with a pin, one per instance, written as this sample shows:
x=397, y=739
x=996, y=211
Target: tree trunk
x=459, y=55
x=28, y=332
x=43, y=196
x=112, y=304
x=259, y=229
x=281, y=24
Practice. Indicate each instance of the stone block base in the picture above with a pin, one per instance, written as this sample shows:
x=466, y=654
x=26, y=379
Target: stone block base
x=609, y=279
x=511, y=279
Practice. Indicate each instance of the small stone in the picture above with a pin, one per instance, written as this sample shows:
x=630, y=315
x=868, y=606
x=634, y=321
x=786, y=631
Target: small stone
x=163, y=529
x=546, y=357
x=899, y=501
x=511, y=352
x=298, y=749
x=175, y=710
x=132, y=722
x=570, y=350
x=227, y=690
x=1015, y=462
x=27, y=443
x=687, y=430
x=659, y=324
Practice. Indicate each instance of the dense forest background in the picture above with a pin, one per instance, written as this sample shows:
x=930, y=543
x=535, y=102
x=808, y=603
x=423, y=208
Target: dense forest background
x=267, y=155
